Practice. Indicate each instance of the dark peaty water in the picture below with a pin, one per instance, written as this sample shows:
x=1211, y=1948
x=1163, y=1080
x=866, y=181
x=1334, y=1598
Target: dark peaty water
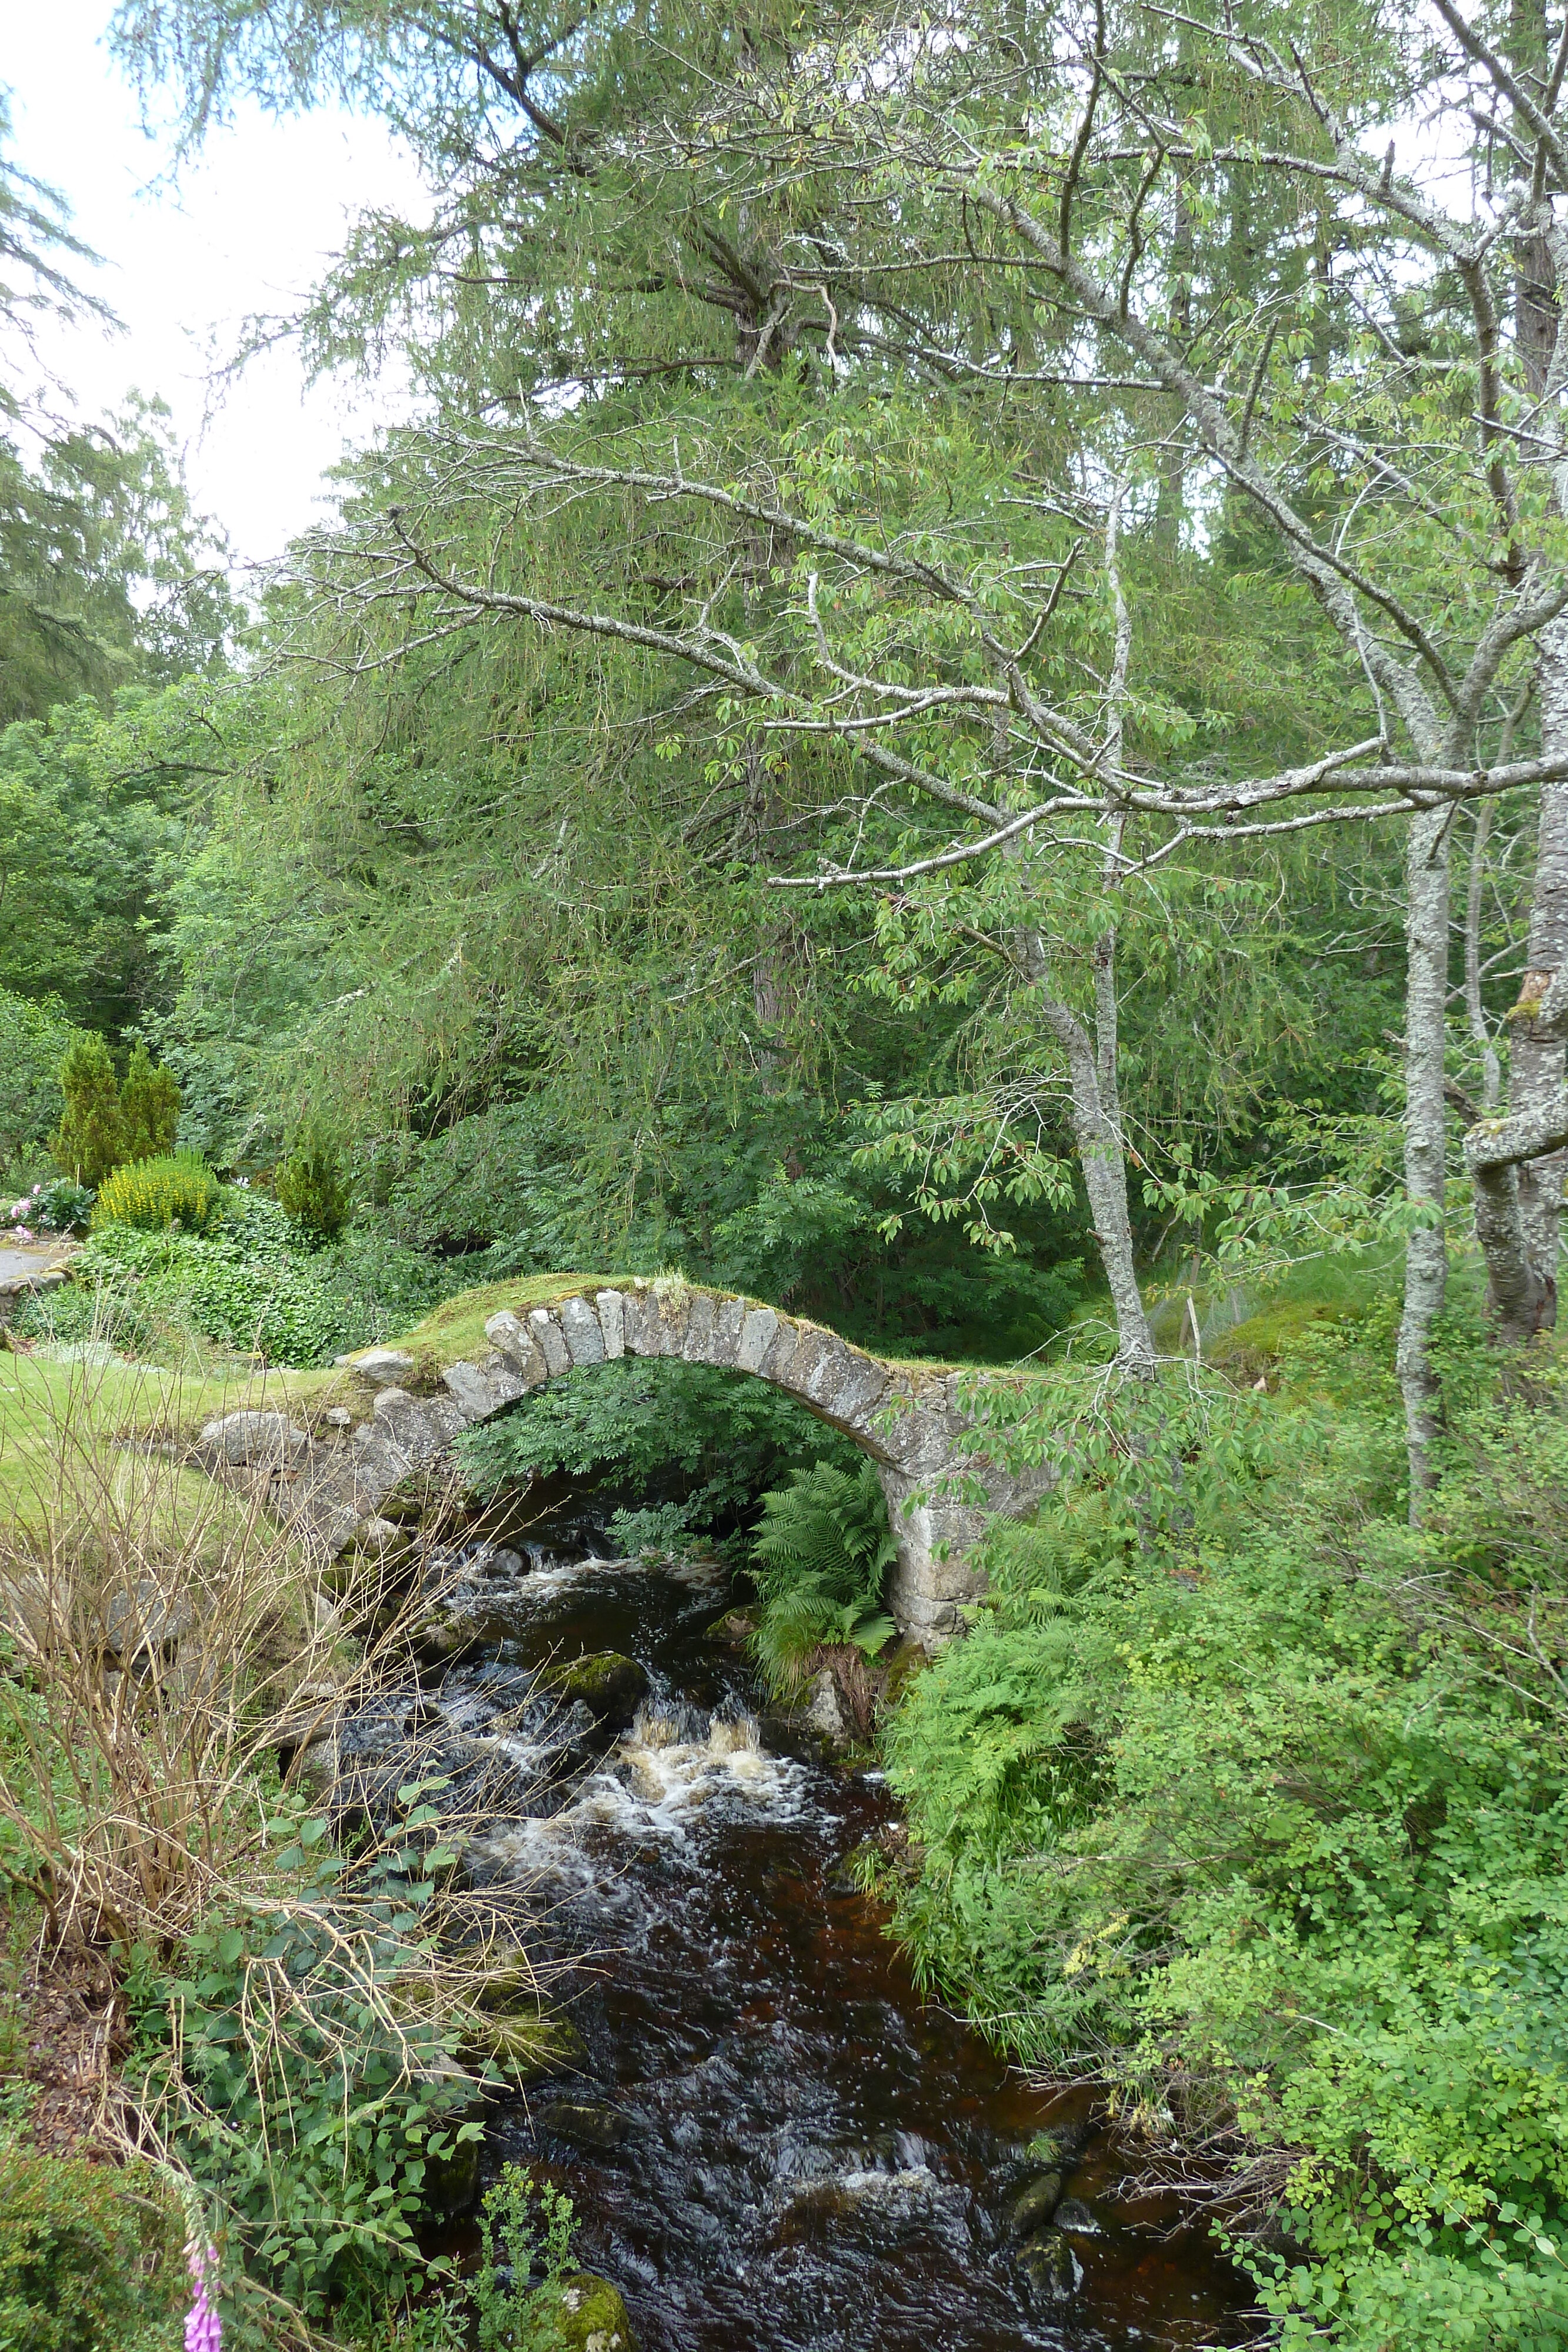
x=777, y=2144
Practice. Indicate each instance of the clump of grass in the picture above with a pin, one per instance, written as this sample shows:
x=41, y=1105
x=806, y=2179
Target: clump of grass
x=299, y=1990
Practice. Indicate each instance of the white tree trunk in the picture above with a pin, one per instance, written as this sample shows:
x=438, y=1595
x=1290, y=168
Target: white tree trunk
x=1426, y=1259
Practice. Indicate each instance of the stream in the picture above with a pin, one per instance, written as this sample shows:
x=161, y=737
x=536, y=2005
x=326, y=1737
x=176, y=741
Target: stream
x=773, y=2144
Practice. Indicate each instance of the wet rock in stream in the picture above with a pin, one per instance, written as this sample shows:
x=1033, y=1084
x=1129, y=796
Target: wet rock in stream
x=1033, y=2206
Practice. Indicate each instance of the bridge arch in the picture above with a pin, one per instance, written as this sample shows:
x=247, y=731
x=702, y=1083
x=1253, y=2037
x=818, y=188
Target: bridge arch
x=907, y=1418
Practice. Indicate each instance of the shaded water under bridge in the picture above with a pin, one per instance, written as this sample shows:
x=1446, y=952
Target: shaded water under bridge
x=907, y=1418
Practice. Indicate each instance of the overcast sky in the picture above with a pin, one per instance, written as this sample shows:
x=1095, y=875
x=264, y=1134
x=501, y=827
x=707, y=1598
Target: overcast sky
x=240, y=232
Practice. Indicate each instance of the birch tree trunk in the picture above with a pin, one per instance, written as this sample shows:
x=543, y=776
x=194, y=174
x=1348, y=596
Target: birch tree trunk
x=1426, y=1256
x=1536, y=1058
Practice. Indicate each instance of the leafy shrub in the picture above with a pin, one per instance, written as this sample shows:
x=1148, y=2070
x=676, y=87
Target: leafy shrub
x=257, y=1297
x=81, y=1312
x=158, y=1195
x=311, y=1186
x=307, y=2098
x=103, y=1124
x=510, y=2309
x=87, y=1141
x=1259, y=1795
x=820, y=1554
x=63, y=1206
x=89, y=2257
x=34, y=1038
x=149, y=1109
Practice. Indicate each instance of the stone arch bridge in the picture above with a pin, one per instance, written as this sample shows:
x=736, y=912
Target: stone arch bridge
x=329, y=1482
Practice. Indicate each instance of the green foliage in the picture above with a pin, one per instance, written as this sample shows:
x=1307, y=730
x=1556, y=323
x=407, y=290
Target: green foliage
x=87, y=1141
x=510, y=2309
x=716, y=1437
x=1257, y=1794
x=149, y=1107
x=306, y=2096
x=34, y=1038
x=63, y=1206
x=174, y=1193
x=821, y=1551
x=89, y=2256
x=311, y=1186
x=104, y=1123
x=104, y=1309
x=263, y=1299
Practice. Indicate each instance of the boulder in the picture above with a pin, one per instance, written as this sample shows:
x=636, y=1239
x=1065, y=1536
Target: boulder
x=1033, y=2207
x=587, y=2125
x=733, y=1629
x=1073, y=2214
x=611, y=1685
x=1048, y=2264
x=144, y=1621
x=526, y=2045
x=383, y=1368
x=872, y=2206
x=592, y=2316
x=824, y=1710
x=255, y=1441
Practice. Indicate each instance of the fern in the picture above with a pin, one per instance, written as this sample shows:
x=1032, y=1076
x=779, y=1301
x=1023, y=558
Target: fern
x=819, y=1556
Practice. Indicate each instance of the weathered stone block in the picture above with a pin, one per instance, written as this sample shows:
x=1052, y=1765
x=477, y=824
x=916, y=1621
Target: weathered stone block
x=484, y=1389
x=673, y=1299
x=551, y=1340
x=729, y=1317
x=778, y=1363
x=383, y=1368
x=698, y=1341
x=611, y=1308
x=756, y=1333
x=640, y=1319
x=412, y=1425
x=584, y=1337
x=516, y=1343
x=805, y=1358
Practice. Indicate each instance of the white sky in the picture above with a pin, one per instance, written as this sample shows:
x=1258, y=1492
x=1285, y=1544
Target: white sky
x=244, y=228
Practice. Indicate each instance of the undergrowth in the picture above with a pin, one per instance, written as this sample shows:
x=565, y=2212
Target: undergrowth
x=1255, y=1797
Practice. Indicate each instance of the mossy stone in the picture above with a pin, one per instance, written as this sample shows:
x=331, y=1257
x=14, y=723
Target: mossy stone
x=735, y=1628
x=525, y=2044
x=592, y=2315
x=1034, y=2204
x=610, y=1684
x=1047, y=2262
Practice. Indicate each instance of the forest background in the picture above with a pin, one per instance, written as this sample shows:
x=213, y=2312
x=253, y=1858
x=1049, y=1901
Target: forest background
x=955, y=715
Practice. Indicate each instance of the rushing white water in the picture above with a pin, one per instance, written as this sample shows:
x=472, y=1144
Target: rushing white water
x=673, y=1768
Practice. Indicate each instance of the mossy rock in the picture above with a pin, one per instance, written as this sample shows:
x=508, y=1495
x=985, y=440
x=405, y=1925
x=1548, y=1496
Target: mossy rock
x=525, y=2043
x=900, y=1667
x=1035, y=2203
x=1047, y=2262
x=735, y=1628
x=592, y=2315
x=610, y=1684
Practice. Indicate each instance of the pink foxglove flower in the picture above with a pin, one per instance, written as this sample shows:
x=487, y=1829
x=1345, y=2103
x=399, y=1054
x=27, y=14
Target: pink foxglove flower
x=203, y=2328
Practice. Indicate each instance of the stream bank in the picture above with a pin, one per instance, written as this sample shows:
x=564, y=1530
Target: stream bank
x=772, y=2141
